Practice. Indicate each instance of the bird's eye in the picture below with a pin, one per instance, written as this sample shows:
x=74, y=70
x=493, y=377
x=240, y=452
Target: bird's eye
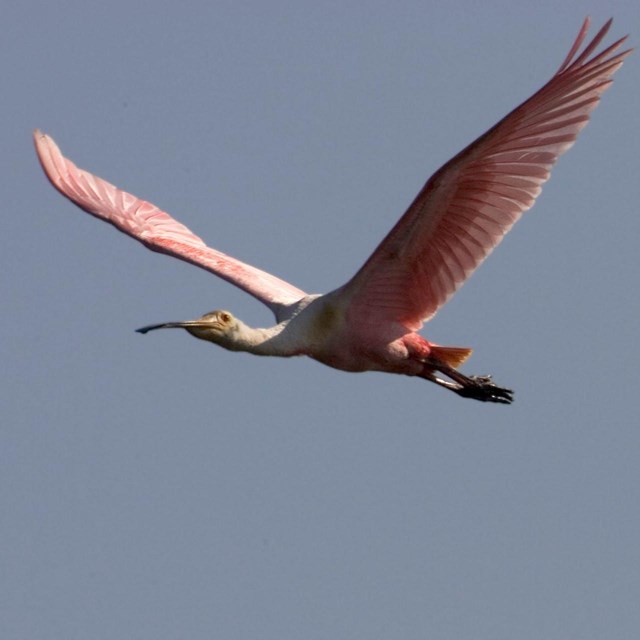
x=225, y=317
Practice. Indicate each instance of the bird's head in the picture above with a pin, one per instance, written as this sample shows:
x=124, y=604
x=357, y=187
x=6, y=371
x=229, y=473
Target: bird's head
x=218, y=326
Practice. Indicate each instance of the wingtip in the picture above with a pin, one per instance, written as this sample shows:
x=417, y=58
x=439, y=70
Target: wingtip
x=42, y=144
x=575, y=57
x=40, y=140
x=38, y=135
x=53, y=163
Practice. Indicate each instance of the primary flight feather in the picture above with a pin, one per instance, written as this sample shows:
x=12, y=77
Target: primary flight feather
x=459, y=217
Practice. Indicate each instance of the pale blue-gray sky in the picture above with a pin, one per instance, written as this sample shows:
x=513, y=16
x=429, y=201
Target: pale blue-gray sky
x=156, y=487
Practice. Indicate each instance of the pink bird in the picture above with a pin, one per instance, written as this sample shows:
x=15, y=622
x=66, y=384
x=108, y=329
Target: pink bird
x=459, y=217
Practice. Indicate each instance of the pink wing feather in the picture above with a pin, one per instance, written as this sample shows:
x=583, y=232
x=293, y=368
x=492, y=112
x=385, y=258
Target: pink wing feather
x=469, y=204
x=154, y=228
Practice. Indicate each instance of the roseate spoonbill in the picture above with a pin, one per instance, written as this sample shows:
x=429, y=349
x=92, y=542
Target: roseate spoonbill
x=461, y=214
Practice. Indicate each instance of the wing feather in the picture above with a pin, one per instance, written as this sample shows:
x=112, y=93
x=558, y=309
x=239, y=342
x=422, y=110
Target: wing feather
x=468, y=205
x=154, y=228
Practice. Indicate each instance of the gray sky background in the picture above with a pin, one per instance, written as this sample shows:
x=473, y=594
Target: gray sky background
x=157, y=487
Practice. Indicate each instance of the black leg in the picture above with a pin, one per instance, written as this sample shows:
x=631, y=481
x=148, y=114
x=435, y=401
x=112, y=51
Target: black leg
x=477, y=387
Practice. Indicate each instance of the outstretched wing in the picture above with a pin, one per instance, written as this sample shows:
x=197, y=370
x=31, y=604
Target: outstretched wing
x=154, y=228
x=468, y=205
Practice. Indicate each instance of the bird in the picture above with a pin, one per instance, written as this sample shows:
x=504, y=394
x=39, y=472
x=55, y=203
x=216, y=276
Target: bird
x=371, y=323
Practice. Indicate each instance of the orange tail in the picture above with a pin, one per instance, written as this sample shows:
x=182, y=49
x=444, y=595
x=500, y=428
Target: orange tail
x=453, y=356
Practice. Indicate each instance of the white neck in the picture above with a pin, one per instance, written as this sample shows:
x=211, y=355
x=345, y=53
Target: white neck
x=259, y=341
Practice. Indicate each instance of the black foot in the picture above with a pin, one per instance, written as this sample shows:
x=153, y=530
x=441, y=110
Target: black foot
x=483, y=389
